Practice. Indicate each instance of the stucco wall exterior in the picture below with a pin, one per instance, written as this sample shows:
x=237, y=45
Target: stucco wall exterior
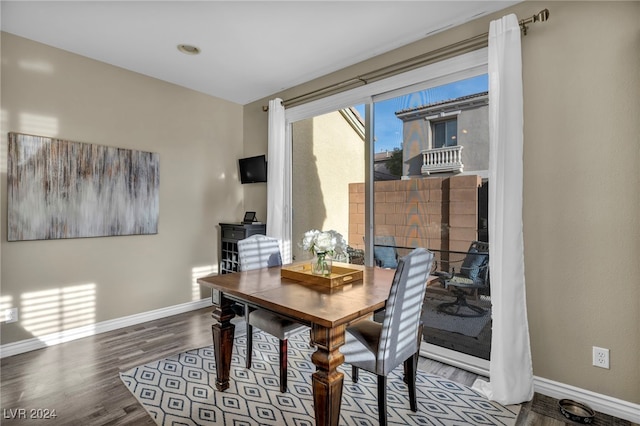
x=472, y=121
x=327, y=157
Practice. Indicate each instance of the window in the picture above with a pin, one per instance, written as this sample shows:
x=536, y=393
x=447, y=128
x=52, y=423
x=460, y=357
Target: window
x=445, y=133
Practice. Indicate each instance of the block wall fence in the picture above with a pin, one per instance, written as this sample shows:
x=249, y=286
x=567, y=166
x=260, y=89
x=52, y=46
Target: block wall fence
x=438, y=213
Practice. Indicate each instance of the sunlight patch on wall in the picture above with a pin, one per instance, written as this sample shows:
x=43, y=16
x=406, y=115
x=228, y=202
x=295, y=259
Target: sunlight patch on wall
x=38, y=125
x=37, y=66
x=199, y=272
x=6, y=302
x=47, y=313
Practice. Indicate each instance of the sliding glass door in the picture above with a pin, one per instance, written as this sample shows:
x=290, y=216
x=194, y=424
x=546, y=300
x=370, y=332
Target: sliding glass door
x=431, y=169
x=424, y=185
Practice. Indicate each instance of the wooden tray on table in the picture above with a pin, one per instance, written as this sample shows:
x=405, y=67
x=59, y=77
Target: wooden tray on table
x=340, y=275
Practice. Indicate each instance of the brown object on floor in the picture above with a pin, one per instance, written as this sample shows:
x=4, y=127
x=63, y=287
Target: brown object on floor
x=548, y=407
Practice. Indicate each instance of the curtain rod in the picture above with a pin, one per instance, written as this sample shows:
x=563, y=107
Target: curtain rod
x=455, y=49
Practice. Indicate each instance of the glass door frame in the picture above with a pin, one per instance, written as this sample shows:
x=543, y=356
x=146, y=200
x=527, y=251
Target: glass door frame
x=450, y=70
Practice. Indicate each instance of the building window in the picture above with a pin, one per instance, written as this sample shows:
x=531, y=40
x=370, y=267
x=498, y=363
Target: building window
x=445, y=133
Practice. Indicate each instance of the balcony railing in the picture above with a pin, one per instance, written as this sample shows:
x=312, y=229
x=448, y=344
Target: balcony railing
x=439, y=160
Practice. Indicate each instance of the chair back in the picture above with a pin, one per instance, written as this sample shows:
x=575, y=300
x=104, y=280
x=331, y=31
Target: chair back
x=399, y=336
x=384, y=251
x=475, y=265
x=259, y=251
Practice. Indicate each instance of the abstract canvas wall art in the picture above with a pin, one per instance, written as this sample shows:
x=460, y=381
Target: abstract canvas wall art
x=61, y=189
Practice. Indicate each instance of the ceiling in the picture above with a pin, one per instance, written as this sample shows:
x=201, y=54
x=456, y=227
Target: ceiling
x=249, y=49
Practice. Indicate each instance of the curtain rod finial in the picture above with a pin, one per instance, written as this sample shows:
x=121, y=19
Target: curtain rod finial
x=542, y=16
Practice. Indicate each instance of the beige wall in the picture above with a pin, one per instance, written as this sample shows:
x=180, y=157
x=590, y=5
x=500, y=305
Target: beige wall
x=50, y=92
x=255, y=143
x=581, y=180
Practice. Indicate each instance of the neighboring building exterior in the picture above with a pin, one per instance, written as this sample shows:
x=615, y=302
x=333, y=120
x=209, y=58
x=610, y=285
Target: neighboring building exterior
x=446, y=137
x=380, y=169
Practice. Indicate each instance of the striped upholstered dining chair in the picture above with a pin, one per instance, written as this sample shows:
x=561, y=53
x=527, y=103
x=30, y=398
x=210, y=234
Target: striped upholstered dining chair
x=260, y=251
x=381, y=347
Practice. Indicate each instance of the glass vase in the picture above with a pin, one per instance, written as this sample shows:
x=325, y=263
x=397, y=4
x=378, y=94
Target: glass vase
x=321, y=264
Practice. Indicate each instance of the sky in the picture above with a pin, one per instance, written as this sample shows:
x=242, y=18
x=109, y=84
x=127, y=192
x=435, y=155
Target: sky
x=388, y=128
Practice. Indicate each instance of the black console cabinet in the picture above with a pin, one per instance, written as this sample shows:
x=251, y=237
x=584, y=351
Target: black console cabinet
x=230, y=234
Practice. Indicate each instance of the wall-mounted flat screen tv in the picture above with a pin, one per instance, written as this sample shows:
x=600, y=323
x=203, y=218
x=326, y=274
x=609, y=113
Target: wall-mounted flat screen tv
x=253, y=169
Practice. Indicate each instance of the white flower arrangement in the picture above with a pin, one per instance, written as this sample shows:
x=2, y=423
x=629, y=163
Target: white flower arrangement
x=322, y=244
x=327, y=242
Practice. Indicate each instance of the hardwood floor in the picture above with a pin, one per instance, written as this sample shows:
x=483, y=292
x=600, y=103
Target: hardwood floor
x=80, y=379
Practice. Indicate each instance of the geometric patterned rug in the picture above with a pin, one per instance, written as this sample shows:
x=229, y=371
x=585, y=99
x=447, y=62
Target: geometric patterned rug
x=180, y=390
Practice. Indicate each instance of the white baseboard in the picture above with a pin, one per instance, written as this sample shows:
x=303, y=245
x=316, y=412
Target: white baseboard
x=601, y=403
x=23, y=346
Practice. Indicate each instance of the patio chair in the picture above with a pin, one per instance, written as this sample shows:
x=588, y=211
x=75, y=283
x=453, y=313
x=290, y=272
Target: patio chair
x=385, y=254
x=260, y=251
x=473, y=275
x=380, y=348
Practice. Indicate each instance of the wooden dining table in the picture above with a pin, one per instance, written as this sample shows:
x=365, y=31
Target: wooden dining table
x=327, y=311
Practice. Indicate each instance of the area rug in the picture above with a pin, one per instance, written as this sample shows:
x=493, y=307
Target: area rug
x=469, y=326
x=180, y=390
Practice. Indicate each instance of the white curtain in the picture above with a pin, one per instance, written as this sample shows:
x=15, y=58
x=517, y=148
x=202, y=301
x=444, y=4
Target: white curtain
x=510, y=366
x=279, y=179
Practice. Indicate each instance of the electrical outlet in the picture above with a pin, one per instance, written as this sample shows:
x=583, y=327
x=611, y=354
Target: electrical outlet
x=11, y=315
x=600, y=357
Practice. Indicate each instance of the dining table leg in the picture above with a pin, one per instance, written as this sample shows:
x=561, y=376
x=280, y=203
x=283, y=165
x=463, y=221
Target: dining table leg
x=327, y=380
x=223, y=332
